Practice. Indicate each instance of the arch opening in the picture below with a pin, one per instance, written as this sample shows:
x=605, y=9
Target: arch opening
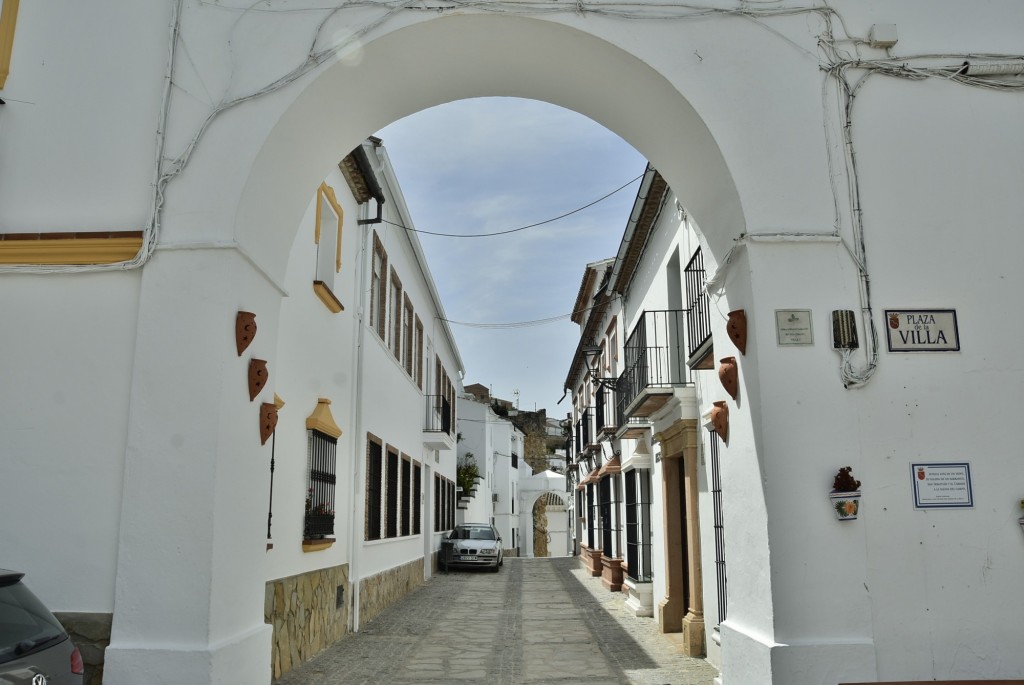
x=459, y=57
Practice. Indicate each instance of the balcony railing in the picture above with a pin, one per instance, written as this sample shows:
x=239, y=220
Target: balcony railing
x=698, y=315
x=627, y=426
x=655, y=362
x=439, y=415
x=586, y=433
x=605, y=409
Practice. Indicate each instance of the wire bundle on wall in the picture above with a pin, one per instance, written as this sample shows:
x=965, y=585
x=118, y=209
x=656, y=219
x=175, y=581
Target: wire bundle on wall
x=980, y=70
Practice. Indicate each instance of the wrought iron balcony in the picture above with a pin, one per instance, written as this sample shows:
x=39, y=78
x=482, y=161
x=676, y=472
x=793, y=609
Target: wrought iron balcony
x=586, y=432
x=698, y=316
x=655, y=355
x=438, y=427
x=606, y=418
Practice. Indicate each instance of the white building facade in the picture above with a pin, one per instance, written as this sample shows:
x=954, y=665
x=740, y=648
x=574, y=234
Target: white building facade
x=143, y=207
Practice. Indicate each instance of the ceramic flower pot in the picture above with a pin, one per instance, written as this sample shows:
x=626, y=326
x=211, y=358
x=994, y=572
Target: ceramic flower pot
x=258, y=375
x=846, y=505
x=736, y=327
x=245, y=330
x=268, y=421
x=720, y=419
x=728, y=374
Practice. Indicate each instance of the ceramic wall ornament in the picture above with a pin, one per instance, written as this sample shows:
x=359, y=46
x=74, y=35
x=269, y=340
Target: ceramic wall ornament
x=737, y=329
x=258, y=376
x=268, y=421
x=720, y=420
x=728, y=373
x=845, y=495
x=245, y=330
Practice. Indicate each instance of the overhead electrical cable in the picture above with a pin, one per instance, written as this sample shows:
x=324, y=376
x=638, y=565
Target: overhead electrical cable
x=521, y=228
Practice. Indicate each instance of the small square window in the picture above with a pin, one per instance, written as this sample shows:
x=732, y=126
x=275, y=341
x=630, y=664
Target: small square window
x=329, y=217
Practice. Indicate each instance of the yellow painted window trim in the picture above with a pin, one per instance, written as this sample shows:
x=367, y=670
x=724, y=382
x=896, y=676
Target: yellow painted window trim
x=326, y=295
x=69, y=249
x=322, y=420
x=8, y=18
x=328, y=192
x=316, y=545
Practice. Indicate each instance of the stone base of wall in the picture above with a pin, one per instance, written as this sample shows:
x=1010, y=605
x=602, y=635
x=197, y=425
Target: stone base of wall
x=378, y=592
x=591, y=560
x=611, y=573
x=304, y=612
x=91, y=634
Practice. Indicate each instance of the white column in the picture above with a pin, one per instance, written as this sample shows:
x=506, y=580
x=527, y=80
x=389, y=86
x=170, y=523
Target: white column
x=189, y=590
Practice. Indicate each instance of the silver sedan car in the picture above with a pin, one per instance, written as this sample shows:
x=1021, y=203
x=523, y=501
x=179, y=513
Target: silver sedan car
x=475, y=544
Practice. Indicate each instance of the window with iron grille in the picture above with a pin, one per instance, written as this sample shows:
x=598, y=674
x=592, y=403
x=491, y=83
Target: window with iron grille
x=406, y=519
x=374, y=478
x=698, y=310
x=638, y=524
x=378, y=289
x=609, y=499
x=417, y=498
x=716, y=503
x=451, y=505
x=321, y=455
x=593, y=520
x=437, y=503
x=391, y=495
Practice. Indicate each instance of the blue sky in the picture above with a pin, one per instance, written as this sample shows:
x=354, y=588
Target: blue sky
x=493, y=164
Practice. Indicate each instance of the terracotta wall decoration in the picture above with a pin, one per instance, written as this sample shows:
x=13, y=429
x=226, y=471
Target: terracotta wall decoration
x=245, y=330
x=268, y=421
x=737, y=329
x=258, y=376
x=728, y=373
x=720, y=420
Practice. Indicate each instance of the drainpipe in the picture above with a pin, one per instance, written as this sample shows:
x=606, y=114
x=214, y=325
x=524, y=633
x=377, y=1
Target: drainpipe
x=355, y=534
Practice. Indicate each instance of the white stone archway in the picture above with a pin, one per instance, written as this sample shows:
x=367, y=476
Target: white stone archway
x=729, y=114
x=249, y=179
x=547, y=489
x=121, y=386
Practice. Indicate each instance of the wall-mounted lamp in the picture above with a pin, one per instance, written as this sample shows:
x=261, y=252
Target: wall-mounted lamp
x=589, y=352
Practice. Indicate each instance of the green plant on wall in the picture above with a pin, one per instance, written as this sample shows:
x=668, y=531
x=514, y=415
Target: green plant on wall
x=466, y=472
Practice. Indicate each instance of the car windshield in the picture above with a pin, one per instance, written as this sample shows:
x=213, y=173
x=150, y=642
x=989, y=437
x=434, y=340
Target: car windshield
x=473, y=533
x=25, y=624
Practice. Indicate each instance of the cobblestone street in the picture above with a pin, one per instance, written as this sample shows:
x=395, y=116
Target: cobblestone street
x=538, y=621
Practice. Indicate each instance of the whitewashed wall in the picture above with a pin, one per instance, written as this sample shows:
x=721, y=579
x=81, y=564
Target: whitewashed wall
x=477, y=425
x=68, y=345
x=733, y=117
x=392, y=405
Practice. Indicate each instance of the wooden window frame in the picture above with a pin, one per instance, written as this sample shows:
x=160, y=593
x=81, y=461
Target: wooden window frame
x=374, y=484
x=419, y=352
x=407, y=335
x=378, y=288
x=405, y=488
x=395, y=315
x=8, y=20
x=417, y=498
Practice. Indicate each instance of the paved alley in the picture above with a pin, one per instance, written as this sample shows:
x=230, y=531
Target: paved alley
x=538, y=621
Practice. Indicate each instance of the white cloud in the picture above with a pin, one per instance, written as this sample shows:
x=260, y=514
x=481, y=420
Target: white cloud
x=492, y=164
